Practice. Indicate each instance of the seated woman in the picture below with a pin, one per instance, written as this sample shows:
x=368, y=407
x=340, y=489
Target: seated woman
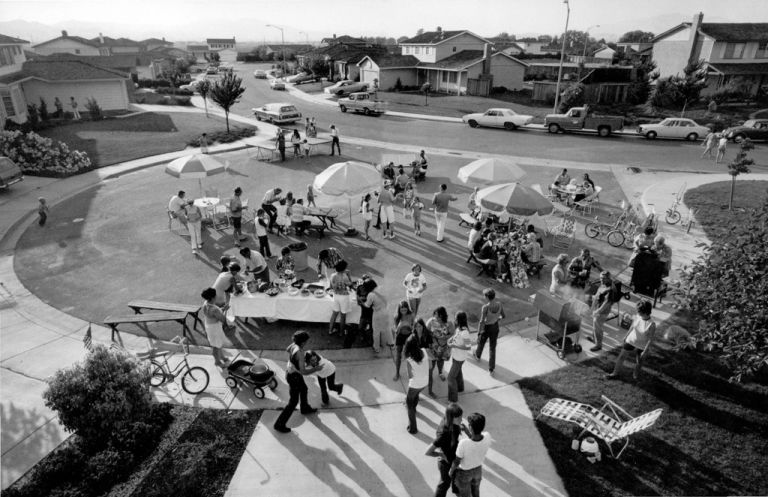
x=588, y=188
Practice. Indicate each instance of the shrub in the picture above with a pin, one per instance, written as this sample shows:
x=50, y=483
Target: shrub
x=105, y=468
x=224, y=137
x=39, y=156
x=171, y=91
x=398, y=85
x=496, y=90
x=43, y=109
x=32, y=117
x=94, y=109
x=573, y=96
x=154, y=83
x=101, y=397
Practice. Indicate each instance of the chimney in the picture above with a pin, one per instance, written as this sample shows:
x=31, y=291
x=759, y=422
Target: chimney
x=693, y=46
x=163, y=38
x=101, y=38
x=64, y=33
x=487, y=58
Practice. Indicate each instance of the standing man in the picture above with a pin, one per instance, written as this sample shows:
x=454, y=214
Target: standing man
x=267, y=202
x=75, y=112
x=387, y=211
x=59, y=108
x=335, y=139
x=236, y=214
x=176, y=207
x=440, y=202
x=204, y=144
x=467, y=467
x=601, y=308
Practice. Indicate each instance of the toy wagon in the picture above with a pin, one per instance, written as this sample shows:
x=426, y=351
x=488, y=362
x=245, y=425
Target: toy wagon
x=257, y=375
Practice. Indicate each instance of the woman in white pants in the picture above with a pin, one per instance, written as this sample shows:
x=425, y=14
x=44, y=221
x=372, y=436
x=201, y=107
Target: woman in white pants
x=194, y=223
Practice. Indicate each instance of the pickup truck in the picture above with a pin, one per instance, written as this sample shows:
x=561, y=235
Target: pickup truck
x=277, y=113
x=362, y=101
x=579, y=118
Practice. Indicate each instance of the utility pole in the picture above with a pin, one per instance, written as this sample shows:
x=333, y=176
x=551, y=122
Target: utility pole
x=562, y=57
x=282, y=40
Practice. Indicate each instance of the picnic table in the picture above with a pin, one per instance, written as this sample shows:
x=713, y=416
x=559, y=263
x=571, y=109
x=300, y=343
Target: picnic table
x=326, y=215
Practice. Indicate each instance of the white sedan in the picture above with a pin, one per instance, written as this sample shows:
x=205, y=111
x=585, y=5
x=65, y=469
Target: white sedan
x=277, y=84
x=498, y=118
x=674, y=127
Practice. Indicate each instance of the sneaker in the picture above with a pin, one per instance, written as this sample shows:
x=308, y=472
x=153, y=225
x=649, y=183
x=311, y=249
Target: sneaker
x=490, y=372
x=311, y=410
x=392, y=236
x=340, y=389
x=596, y=348
x=282, y=429
x=333, y=331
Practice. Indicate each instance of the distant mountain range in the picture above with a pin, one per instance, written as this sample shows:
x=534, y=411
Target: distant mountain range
x=254, y=30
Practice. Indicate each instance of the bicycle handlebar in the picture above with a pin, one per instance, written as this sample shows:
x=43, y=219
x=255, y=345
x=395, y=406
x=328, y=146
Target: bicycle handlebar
x=183, y=341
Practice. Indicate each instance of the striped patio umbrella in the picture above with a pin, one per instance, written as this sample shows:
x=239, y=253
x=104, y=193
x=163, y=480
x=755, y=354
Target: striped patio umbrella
x=514, y=198
x=490, y=171
x=195, y=166
x=347, y=180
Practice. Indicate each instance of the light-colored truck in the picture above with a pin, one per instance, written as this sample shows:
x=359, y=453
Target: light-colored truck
x=580, y=118
x=362, y=101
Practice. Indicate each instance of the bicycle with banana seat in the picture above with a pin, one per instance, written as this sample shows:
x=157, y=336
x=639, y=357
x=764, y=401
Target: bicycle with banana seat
x=673, y=214
x=194, y=379
x=598, y=229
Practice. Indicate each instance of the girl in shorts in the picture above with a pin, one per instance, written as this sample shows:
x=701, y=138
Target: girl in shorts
x=340, y=283
x=638, y=340
x=404, y=319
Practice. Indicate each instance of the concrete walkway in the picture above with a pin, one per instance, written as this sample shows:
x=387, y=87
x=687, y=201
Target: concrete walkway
x=357, y=447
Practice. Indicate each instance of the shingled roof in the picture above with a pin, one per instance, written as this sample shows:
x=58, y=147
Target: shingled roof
x=106, y=41
x=393, y=60
x=739, y=31
x=62, y=70
x=431, y=37
x=117, y=61
x=9, y=40
x=78, y=39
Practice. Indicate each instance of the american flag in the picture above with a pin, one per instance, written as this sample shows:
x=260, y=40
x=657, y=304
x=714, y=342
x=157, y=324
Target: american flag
x=88, y=339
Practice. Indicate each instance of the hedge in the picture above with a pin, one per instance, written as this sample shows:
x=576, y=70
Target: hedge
x=39, y=156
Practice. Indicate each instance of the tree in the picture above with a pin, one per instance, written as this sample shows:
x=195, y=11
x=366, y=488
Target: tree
x=636, y=36
x=726, y=288
x=204, y=87
x=640, y=89
x=573, y=96
x=226, y=92
x=420, y=31
x=694, y=81
x=680, y=91
x=740, y=165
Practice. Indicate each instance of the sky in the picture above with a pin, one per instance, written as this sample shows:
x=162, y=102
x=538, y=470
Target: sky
x=311, y=19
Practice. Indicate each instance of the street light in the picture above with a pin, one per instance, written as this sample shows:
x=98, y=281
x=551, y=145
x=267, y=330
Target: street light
x=584, y=54
x=282, y=40
x=562, y=56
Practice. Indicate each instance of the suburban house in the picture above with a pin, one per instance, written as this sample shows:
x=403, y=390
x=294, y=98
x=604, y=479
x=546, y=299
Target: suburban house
x=114, y=46
x=226, y=48
x=630, y=47
x=457, y=62
x=342, y=54
x=25, y=82
x=538, y=47
x=125, y=63
x=734, y=53
x=152, y=43
x=288, y=48
x=198, y=51
x=345, y=39
x=76, y=45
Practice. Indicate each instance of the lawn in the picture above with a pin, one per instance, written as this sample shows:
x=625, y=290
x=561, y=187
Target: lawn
x=711, y=200
x=113, y=141
x=711, y=439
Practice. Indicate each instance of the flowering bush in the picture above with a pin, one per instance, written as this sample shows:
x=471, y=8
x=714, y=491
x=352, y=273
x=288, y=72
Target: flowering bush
x=39, y=156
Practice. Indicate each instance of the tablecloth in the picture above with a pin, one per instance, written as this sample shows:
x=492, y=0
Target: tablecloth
x=283, y=306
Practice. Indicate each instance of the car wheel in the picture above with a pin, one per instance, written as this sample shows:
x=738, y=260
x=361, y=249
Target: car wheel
x=472, y=123
x=366, y=111
x=553, y=128
x=510, y=126
x=258, y=118
x=692, y=137
x=651, y=135
x=738, y=138
x=340, y=93
x=343, y=108
x=604, y=131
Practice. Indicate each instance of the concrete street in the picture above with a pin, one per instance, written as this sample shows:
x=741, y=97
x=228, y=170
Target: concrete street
x=107, y=242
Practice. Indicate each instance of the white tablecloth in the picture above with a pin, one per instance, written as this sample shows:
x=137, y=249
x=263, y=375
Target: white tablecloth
x=293, y=308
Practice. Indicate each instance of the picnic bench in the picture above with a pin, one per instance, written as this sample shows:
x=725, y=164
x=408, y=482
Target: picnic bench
x=190, y=309
x=150, y=317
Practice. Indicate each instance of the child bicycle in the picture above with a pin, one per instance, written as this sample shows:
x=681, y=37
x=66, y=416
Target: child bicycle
x=673, y=215
x=194, y=379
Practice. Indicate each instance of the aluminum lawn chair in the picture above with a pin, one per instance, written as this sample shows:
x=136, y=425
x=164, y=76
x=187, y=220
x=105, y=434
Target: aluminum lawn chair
x=605, y=423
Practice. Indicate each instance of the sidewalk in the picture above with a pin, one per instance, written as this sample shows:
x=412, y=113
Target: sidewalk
x=361, y=431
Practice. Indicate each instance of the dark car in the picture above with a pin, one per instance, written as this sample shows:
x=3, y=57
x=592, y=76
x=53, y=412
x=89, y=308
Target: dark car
x=754, y=129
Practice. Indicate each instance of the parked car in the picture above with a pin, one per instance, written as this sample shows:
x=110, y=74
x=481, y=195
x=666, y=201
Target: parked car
x=260, y=74
x=497, y=118
x=580, y=118
x=192, y=86
x=754, y=129
x=212, y=70
x=674, y=127
x=275, y=73
x=300, y=78
x=331, y=90
x=362, y=101
x=277, y=113
x=346, y=89
x=277, y=84
x=10, y=173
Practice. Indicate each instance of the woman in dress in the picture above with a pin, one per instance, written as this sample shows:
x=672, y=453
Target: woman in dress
x=441, y=330
x=418, y=371
x=295, y=372
x=403, y=326
x=214, y=322
x=559, y=276
x=365, y=208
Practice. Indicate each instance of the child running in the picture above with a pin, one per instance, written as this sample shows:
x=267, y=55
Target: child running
x=326, y=374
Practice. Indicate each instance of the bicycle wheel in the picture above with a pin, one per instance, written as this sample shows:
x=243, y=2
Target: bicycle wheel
x=673, y=217
x=592, y=230
x=195, y=380
x=157, y=374
x=616, y=238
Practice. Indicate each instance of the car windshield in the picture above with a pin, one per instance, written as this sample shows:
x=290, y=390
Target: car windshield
x=668, y=122
x=749, y=124
x=288, y=108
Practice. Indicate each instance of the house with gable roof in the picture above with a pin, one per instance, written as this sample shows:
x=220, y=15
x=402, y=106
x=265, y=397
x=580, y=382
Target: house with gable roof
x=733, y=53
x=458, y=62
x=65, y=43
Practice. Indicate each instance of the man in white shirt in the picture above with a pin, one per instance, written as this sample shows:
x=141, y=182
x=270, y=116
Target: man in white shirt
x=176, y=207
x=415, y=284
x=467, y=468
x=440, y=202
x=387, y=212
x=267, y=204
x=335, y=139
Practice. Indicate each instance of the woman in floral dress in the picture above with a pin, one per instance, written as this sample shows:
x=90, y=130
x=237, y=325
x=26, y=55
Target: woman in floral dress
x=441, y=330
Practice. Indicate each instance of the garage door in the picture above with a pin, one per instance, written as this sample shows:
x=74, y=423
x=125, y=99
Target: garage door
x=368, y=75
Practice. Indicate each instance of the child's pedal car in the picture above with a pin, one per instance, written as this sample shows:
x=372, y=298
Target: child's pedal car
x=258, y=375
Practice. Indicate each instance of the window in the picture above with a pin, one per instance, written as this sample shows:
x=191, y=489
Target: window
x=762, y=50
x=448, y=77
x=77, y=51
x=426, y=50
x=10, y=111
x=6, y=56
x=454, y=49
x=418, y=50
x=734, y=50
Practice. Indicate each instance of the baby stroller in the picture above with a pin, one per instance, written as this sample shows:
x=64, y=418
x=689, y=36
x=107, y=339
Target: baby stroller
x=256, y=375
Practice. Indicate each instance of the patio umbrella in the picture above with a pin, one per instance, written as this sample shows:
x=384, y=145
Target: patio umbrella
x=490, y=171
x=196, y=166
x=514, y=198
x=347, y=180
